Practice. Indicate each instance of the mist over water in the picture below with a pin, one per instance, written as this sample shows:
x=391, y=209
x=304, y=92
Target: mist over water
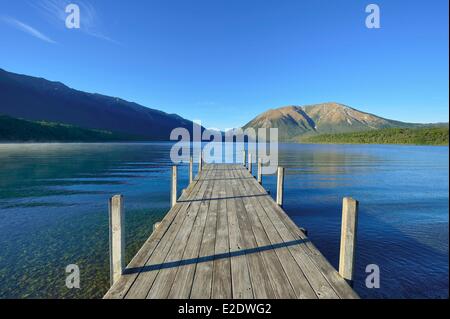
x=54, y=211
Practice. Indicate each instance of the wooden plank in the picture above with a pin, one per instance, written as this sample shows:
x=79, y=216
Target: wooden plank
x=342, y=289
x=122, y=286
x=275, y=270
x=279, y=232
x=202, y=283
x=145, y=279
x=183, y=282
x=221, y=285
x=278, y=278
x=240, y=276
x=261, y=284
x=293, y=272
x=194, y=220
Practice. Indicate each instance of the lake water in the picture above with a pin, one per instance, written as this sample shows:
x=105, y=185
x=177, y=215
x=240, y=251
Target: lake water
x=54, y=212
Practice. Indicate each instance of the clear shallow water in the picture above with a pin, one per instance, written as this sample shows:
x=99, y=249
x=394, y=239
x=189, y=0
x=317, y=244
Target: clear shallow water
x=53, y=211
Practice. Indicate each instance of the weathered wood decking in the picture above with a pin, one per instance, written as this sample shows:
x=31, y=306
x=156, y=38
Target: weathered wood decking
x=227, y=238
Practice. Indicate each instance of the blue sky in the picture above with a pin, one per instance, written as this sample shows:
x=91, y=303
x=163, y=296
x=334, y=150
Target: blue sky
x=225, y=61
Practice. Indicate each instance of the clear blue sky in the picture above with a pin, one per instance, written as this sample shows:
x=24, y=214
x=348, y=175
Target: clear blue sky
x=225, y=61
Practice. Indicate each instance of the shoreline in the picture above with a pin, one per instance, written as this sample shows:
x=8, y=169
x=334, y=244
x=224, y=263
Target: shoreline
x=163, y=141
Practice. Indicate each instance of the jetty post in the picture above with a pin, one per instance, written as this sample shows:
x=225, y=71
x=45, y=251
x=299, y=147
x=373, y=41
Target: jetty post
x=174, y=186
x=280, y=186
x=200, y=161
x=260, y=171
x=348, y=238
x=191, y=170
x=116, y=238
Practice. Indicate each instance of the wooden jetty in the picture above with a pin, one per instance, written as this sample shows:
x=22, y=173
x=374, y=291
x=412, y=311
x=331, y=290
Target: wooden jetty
x=226, y=238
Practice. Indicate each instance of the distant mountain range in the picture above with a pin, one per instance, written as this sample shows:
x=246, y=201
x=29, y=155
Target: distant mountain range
x=37, y=99
x=98, y=117
x=297, y=122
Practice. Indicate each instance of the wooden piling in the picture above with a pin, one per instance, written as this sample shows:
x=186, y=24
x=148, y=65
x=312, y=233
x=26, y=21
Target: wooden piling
x=348, y=238
x=116, y=238
x=174, y=186
x=260, y=171
x=200, y=162
x=280, y=186
x=191, y=170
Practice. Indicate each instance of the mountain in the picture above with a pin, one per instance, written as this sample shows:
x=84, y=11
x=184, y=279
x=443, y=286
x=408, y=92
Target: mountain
x=37, y=99
x=18, y=130
x=295, y=122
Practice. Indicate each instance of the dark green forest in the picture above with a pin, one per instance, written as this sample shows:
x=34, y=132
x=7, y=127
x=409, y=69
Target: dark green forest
x=414, y=136
x=17, y=130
